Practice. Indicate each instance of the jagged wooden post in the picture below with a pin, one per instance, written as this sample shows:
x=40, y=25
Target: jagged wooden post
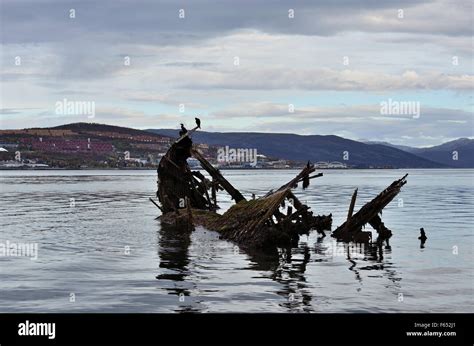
x=369, y=213
x=351, y=206
x=346, y=235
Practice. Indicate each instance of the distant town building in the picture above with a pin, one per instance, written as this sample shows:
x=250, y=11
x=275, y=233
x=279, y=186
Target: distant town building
x=65, y=145
x=328, y=165
x=278, y=164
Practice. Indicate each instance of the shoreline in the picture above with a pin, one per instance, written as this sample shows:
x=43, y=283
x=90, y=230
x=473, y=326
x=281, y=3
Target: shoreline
x=225, y=169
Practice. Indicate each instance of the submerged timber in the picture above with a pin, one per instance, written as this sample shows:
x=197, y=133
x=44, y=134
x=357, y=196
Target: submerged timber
x=188, y=199
x=351, y=230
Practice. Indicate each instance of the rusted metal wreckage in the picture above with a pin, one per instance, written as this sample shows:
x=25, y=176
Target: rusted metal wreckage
x=277, y=219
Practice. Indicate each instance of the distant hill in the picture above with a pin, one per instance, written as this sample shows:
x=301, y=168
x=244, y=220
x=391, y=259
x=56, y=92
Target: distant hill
x=406, y=148
x=94, y=127
x=443, y=153
x=83, y=145
x=141, y=143
x=314, y=148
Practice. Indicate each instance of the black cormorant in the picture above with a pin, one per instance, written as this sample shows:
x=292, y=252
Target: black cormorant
x=183, y=130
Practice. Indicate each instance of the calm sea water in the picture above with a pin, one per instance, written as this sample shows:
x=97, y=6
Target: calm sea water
x=100, y=248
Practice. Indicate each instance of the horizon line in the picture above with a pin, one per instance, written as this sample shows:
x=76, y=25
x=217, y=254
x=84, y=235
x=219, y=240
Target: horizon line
x=364, y=141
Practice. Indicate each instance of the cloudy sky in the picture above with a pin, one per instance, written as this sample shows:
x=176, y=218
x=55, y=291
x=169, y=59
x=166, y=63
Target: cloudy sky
x=308, y=67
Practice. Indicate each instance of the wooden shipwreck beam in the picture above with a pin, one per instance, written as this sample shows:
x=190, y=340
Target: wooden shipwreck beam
x=369, y=214
x=259, y=223
x=217, y=176
x=185, y=198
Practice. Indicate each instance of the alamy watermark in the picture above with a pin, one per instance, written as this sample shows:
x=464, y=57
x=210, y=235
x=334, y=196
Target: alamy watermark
x=237, y=155
x=66, y=107
x=337, y=249
x=28, y=328
x=11, y=249
x=392, y=107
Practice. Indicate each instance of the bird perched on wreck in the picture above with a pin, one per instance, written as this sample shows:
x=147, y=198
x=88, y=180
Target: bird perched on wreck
x=183, y=130
x=198, y=122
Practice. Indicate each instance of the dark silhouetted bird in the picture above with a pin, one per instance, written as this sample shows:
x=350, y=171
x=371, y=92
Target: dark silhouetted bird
x=183, y=130
x=198, y=122
x=308, y=164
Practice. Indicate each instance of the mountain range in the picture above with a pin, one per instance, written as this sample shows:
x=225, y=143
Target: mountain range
x=446, y=153
x=334, y=148
x=293, y=147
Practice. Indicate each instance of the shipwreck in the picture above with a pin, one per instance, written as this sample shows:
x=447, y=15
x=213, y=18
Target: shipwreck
x=277, y=219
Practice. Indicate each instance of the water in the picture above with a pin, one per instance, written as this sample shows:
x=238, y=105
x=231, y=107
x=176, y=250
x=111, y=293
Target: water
x=104, y=250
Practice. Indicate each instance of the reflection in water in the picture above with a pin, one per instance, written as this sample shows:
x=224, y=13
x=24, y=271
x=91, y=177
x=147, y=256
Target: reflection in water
x=287, y=267
x=174, y=261
x=174, y=244
x=353, y=268
x=373, y=253
x=81, y=248
x=376, y=257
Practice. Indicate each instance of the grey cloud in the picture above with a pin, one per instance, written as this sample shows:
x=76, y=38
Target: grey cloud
x=11, y=111
x=8, y=111
x=195, y=64
x=319, y=79
x=157, y=22
x=190, y=61
x=434, y=125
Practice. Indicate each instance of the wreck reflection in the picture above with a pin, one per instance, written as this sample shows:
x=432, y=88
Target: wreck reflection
x=173, y=251
x=353, y=266
x=288, y=267
x=375, y=255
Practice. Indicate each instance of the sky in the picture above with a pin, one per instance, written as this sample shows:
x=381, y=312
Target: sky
x=307, y=67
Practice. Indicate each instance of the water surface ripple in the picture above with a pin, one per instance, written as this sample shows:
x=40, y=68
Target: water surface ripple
x=100, y=242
